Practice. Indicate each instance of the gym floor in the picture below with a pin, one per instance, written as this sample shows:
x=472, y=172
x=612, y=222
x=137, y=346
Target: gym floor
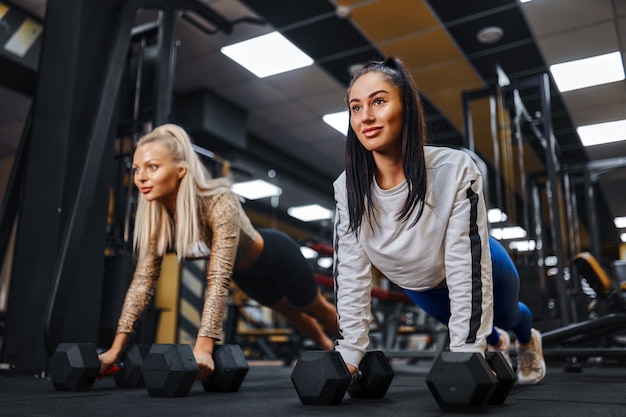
x=267, y=391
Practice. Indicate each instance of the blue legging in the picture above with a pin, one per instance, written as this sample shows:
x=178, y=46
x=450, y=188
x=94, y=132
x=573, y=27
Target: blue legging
x=508, y=312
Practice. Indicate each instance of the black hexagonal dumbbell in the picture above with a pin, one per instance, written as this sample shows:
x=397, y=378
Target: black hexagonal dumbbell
x=505, y=374
x=169, y=370
x=461, y=381
x=231, y=368
x=74, y=366
x=130, y=375
x=322, y=377
x=376, y=376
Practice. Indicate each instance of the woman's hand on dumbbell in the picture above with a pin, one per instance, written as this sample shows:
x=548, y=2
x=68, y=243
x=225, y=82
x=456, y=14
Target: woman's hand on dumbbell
x=353, y=369
x=203, y=353
x=354, y=373
x=205, y=363
x=111, y=357
x=108, y=361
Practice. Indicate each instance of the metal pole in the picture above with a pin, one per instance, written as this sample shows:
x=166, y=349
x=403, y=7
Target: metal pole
x=552, y=193
x=100, y=129
x=537, y=222
x=467, y=123
x=592, y=214
x=165, y=68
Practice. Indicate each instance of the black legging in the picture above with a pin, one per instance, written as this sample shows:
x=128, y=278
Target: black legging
x=281, y=270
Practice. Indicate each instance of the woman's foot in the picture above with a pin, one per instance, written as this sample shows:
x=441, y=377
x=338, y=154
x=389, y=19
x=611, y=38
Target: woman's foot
x=531, y=367
x=503, y=346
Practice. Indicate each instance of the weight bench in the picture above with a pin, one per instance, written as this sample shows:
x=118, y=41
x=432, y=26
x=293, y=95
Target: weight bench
x=604, y=336
x=609, y=293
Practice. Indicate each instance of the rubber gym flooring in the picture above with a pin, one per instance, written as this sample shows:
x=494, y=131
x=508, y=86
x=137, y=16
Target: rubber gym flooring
x=597, y=391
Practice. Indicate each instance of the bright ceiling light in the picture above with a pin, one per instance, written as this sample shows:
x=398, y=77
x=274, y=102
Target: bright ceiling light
x=310, y=213
x=490, y=34
x=495, y=215
x=551, y=260
x=267, y=55
x=524, y=1
x=522, y=245
x=256, y=189
x=623, y=237
x=325, y=262
x=338, y=121
x=504, y=233
x=600, y=133
x=588, y=72
x=620, y=222
x=308, y=253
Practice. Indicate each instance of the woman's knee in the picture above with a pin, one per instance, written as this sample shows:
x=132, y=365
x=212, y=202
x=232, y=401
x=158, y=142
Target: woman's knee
x=510, y=317
x=505, y=320
x=286, y=308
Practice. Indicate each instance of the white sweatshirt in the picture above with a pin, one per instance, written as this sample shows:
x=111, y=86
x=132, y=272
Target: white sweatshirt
x=449, y=242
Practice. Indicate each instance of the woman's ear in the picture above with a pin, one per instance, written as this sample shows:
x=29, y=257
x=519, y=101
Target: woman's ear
x=182, y=170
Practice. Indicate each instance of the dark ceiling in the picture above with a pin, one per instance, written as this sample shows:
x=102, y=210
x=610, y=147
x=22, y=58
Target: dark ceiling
x=437, y=40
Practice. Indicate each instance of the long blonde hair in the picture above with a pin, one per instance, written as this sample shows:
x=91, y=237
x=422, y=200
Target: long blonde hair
x=154, y=225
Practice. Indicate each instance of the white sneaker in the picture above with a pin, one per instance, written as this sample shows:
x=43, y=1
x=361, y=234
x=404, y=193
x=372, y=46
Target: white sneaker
x=531, y=367
x=504, y=346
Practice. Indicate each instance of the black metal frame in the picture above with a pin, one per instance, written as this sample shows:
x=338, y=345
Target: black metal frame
x=588, y=173
x=582, y=339
x=548, y=150
x=63, y=243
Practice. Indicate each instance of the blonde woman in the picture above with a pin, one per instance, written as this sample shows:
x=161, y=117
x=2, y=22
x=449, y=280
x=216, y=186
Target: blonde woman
x=182, y=209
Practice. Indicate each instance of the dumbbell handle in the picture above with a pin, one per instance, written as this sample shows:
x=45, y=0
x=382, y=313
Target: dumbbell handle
x=111, y=371
x=355, y=377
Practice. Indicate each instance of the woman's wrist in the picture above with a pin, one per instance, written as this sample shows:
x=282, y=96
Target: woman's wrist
x=355, y=376
x=205, y=344
x=119, y=342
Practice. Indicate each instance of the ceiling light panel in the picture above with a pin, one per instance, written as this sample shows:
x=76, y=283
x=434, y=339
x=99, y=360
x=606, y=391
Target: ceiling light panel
x=588, y=72
x=256, y=189
x=620, y=222
x=601, y=133
x=310, y=213
x=267, y=55
x=338, y=121
x=505, y=233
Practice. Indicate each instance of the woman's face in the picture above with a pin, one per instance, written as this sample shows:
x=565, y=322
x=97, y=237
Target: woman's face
x=155, y=173
x=376, y=113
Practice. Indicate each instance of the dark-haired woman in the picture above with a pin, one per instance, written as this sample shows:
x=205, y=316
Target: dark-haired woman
x=417, y=213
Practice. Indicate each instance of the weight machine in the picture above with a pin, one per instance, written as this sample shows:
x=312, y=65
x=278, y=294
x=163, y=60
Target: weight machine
x=559, y=292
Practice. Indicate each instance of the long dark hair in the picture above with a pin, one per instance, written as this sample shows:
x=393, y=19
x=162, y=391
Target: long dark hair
x=357, y=158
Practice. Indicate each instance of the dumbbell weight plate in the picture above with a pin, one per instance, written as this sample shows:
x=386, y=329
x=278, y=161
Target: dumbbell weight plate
x=74, y=366
x=169, y=370
x=461, y=381
x=505, y=374
x=376, y=376
x=320, y=377
x=130, y=375
x=231, y=368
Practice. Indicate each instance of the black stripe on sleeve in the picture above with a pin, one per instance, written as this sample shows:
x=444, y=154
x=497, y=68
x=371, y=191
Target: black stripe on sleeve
x=336, y=265
x=476, y=254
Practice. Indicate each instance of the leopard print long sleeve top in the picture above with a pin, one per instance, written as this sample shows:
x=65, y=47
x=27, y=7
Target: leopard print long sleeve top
x=228, y=232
